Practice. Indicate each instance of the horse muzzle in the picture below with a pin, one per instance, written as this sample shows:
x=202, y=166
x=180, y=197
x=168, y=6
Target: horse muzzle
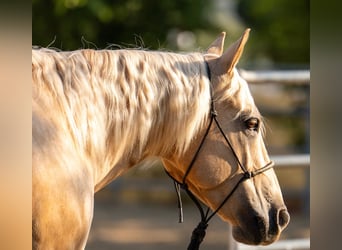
x=262, y=230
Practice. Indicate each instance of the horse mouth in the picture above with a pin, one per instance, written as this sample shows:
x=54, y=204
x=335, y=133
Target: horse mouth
x=242, y=236
x=262, y=231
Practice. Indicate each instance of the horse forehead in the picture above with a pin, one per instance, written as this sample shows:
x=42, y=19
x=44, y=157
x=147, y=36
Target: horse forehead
x=243, y=98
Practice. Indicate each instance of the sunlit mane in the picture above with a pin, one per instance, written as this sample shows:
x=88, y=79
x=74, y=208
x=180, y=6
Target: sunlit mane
x=116, y=102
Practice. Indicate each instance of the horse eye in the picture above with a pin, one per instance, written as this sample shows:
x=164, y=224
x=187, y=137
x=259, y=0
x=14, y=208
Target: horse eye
x=252, y=124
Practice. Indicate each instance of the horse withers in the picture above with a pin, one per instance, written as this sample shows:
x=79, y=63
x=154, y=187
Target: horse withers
x=97, y=113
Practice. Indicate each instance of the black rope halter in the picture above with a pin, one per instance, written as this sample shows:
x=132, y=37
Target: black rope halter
x=199, y=232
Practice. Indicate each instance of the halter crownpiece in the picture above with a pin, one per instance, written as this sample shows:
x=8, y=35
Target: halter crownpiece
x=199, y=232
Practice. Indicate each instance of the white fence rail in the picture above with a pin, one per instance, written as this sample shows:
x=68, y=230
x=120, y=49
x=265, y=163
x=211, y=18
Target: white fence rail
x=300, y=160
x=292, y=77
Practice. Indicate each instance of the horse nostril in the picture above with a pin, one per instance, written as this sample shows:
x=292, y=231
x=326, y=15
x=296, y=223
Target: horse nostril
x=283, y=218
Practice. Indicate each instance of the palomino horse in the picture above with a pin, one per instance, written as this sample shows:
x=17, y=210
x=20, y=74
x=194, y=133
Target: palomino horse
x=98, y=113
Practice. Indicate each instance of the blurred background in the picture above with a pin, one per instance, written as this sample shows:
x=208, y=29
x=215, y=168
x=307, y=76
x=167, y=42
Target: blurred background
x=139, y=210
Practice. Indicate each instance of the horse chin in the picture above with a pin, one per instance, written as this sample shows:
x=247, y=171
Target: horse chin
x=249, y=238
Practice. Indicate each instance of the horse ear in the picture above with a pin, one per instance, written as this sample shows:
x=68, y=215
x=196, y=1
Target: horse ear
x=232, y=55
x=216, y=47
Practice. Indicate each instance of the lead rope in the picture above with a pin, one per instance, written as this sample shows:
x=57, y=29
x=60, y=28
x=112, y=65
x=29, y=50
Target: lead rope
x=179, y=200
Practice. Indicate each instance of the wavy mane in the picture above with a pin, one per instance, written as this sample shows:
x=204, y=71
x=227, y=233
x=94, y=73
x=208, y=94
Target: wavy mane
x=112, y=103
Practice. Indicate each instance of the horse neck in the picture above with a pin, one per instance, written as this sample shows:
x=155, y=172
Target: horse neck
x=155, y=103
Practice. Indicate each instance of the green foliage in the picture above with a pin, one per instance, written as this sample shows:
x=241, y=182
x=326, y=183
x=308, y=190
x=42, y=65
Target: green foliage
x=103, y=22
x=280, y=29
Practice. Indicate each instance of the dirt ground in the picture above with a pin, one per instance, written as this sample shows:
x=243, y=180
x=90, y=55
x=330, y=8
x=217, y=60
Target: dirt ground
x=129, y=224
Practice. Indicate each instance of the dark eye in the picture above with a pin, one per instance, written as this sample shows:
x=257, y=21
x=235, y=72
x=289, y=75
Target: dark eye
x=252, y=124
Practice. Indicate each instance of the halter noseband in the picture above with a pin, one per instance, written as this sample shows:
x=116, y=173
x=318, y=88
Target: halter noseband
x=198, y=233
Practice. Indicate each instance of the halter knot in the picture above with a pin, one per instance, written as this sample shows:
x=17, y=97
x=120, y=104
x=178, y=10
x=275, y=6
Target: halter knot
x=213, y=112
x=248, y=175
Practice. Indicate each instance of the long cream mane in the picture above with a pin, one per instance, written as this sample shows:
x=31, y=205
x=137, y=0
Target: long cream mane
x=115, y=103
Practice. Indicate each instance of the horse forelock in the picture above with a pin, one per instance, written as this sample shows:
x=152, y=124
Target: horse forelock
x=114, y=103
x=236, y=92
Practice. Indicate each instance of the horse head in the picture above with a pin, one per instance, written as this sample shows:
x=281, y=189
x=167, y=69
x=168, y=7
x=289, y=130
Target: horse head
x=227, y=166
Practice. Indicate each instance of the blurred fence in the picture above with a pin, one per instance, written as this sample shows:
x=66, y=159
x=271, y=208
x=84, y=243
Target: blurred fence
x=291, y=77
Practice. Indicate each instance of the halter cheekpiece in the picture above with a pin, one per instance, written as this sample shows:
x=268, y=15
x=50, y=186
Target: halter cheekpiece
x=199, y=232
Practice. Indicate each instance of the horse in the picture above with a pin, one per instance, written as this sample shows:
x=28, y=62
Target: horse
x=98, y=113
